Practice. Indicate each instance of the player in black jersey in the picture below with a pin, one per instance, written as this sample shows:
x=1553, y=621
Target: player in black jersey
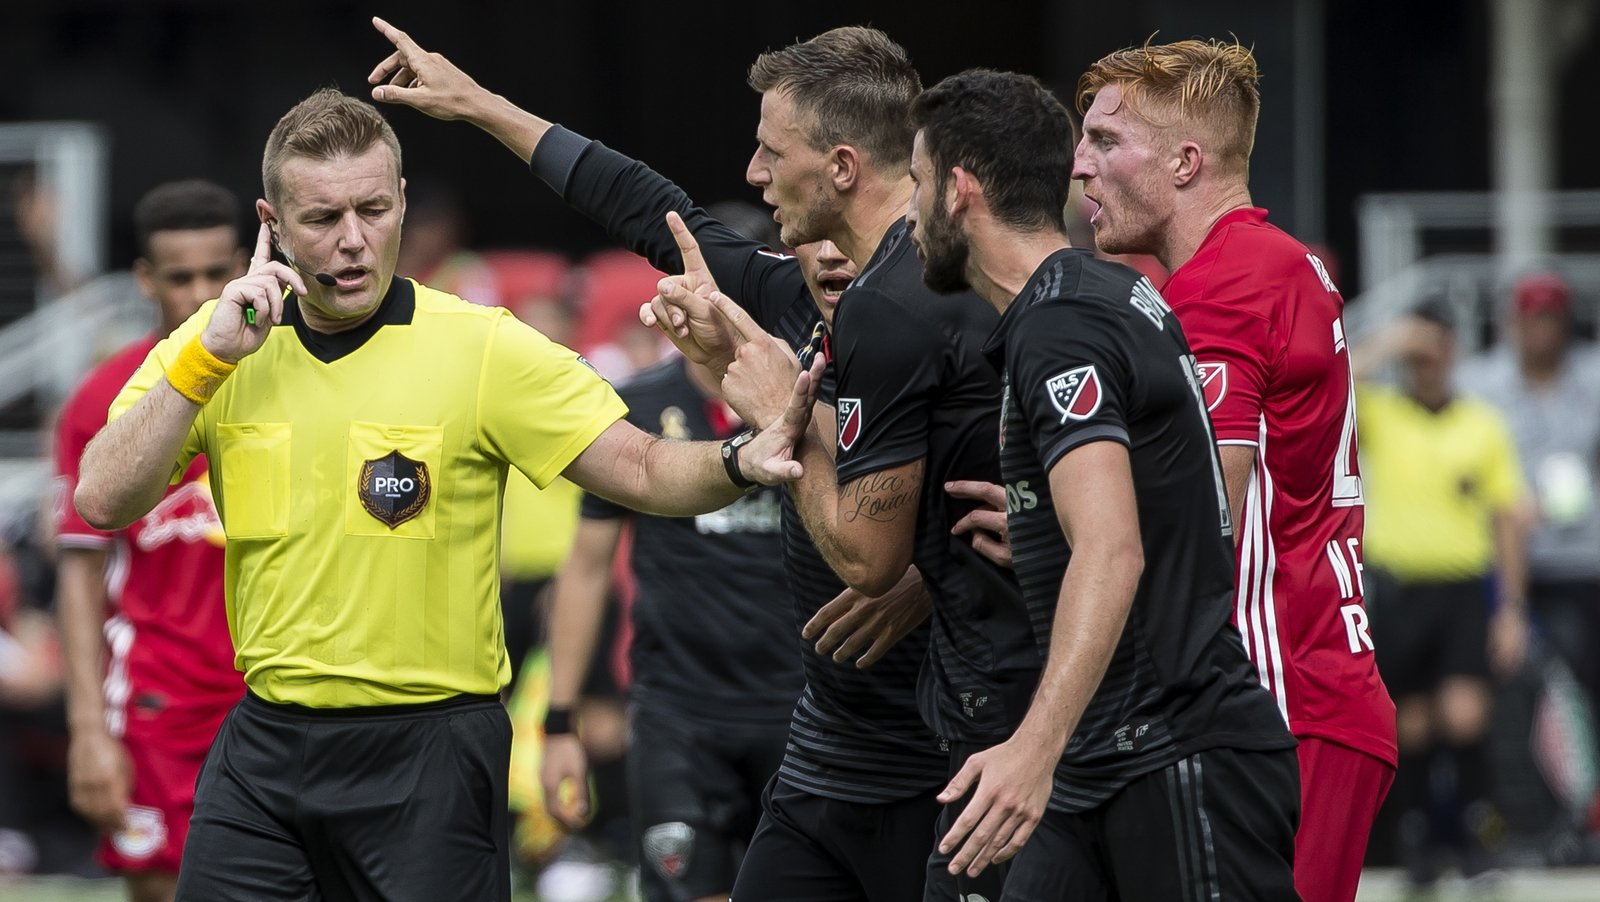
x=852, y=809
x=715, y=667
x=1174, y=775
x=917, y=402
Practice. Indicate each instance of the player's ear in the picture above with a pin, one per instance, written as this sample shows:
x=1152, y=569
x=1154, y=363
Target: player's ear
x=844, y=165
x=962, y=190
x=1187, y=163
x=265, y=212
x=145, y=275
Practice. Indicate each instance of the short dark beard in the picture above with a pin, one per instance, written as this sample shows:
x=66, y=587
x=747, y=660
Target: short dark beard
x=944, y=254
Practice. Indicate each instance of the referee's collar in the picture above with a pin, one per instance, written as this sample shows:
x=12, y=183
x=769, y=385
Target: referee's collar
x=396, y=309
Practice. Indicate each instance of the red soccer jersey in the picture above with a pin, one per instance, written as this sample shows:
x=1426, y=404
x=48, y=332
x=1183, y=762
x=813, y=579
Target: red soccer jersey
x=170, y=665
x=1265, y=323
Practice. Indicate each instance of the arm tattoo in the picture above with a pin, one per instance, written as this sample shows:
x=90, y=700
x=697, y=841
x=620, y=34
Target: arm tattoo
x=879, y=497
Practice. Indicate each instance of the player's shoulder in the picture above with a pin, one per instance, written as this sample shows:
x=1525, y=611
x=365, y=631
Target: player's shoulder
x=1247, y=262
x=1076, y=284
x=99, y=388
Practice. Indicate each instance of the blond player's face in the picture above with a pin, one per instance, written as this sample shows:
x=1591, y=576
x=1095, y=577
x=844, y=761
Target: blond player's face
x=1119, y=161
x=792, y=175
x=342, y=217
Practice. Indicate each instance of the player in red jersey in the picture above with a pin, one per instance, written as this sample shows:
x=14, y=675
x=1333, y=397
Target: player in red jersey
x=150, y=676
x=1165, y=155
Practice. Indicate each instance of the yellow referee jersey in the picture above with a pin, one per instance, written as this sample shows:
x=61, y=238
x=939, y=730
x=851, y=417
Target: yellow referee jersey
x=1433, y=483
x=359, y=479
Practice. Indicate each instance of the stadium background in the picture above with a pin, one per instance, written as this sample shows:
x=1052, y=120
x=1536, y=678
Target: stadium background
x=1360, y=98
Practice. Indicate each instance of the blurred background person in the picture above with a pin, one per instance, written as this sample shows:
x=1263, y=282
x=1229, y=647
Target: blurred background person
x=1545, y=382
x=144, y=633
x=1446, y=580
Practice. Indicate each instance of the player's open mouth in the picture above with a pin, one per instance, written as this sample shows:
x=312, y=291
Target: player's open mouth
x=1097, y=207
x=833, y=285
x=351, y=277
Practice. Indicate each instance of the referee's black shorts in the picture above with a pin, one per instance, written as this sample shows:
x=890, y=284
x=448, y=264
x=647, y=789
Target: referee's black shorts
x=1218, y=824
x=394, y=803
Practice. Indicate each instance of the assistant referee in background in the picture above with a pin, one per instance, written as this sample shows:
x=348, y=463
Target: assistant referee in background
x=359, y=430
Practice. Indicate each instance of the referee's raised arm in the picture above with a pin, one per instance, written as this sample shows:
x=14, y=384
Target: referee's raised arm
x=129, y=464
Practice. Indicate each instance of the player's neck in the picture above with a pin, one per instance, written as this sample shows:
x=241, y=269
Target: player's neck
x=877, y=205
x=1002, y=261
x=1194, y=220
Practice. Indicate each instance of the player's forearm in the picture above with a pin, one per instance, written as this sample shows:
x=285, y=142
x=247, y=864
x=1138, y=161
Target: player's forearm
x=1511, y=559
x=577, y=609
x=516, y=128
x=126, y=469
x=1091, y=613
x=846, y=524
x=81, y=612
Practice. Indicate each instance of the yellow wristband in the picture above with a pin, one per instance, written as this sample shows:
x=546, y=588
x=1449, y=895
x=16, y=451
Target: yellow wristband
x=197, y=373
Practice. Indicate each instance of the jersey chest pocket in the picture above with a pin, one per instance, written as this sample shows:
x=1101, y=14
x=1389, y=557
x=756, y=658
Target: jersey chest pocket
x=391, y=475
x=253, y=460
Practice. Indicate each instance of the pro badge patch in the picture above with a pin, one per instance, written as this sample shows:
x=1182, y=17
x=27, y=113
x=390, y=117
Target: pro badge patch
x=394, y=488
x=1075, y=393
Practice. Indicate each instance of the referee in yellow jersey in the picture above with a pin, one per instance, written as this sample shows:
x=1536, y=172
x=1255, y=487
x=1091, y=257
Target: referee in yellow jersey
x=359, y=429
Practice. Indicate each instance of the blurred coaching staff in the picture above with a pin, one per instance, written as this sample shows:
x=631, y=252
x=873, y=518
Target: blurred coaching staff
x=359, y=429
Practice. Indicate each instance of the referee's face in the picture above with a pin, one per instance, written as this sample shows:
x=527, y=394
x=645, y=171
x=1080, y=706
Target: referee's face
x=342, y=217
x=792, y=175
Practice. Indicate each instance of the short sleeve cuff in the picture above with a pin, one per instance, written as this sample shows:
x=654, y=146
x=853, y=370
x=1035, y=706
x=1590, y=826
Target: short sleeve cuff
x=1107, y=433
x=612, y=410
x=556, y=156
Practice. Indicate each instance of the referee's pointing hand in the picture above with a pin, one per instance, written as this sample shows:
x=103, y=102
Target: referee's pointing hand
x=230, y=336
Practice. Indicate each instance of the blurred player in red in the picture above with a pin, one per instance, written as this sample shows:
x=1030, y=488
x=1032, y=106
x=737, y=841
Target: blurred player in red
x=1165, y=155
x=150, y=675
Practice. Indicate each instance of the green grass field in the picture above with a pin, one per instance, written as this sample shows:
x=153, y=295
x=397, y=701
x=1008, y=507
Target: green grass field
x=1376, y=886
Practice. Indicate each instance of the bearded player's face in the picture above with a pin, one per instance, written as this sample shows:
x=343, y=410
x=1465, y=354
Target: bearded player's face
x=941, y=246
x=342, y=217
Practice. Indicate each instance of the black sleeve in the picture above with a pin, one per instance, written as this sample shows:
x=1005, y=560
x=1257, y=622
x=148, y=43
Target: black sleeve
x=593, y=507
x=1070, y=371
x=888, y=365
x=630, y=201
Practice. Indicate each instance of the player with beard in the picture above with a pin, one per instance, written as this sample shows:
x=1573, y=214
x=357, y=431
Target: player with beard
x=1174, y=777
x=856, y=789
x=1165, y=154
x=916, y=398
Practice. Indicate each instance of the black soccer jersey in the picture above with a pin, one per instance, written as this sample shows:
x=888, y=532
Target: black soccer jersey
x=913, y=382
x=855, y=735
x=710, y=638
x=1092, y=353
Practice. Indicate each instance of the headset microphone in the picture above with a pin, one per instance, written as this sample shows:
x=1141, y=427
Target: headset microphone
x=324, y=278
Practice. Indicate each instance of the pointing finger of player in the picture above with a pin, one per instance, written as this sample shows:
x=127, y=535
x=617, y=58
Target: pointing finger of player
x=398, y=38
x=688, y=247
x=741, y=321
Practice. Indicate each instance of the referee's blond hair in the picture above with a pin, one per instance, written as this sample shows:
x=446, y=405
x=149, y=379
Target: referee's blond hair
x=1209, y=86
x=325, y=126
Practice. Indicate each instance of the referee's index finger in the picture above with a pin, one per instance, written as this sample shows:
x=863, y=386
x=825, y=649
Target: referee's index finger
x=262, y=255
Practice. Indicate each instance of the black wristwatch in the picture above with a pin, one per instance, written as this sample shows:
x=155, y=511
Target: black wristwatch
x=730, y=459
x=558, y=722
